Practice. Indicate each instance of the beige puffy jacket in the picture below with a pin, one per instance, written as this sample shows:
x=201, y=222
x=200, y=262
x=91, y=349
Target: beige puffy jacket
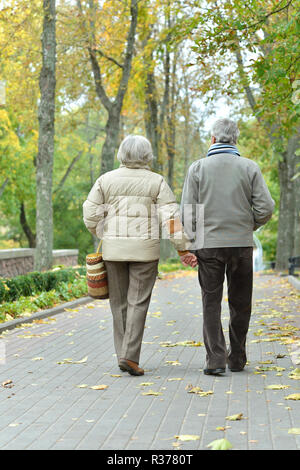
x=129, y=209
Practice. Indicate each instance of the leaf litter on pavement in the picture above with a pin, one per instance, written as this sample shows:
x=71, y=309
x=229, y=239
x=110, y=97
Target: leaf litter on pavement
x=274, y=325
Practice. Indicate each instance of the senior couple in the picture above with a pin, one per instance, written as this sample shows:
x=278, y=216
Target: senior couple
x=224, y=199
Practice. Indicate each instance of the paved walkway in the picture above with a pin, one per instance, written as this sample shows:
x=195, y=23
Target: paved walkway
x=51, y=404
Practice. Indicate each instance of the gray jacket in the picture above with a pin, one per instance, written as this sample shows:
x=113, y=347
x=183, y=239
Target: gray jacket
x=224, y=199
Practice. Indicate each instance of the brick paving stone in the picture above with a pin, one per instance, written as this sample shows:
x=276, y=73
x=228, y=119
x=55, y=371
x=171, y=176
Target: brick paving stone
x=46, y=409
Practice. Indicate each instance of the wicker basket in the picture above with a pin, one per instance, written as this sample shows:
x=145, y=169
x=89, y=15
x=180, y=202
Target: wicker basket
x=96, y=275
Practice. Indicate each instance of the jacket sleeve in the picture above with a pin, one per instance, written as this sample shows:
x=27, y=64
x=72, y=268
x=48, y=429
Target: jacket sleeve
x=262, y=202
x=169, y=218
x=189, y=202
x=93, y=207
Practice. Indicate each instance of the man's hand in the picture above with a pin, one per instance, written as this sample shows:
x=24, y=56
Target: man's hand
x=189, y=260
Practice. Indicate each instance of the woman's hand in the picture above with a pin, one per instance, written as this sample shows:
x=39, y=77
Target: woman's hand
x=189, y=259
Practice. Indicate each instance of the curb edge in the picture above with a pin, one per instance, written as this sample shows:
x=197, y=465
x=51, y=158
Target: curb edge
x=295, y=282
x=43, y=313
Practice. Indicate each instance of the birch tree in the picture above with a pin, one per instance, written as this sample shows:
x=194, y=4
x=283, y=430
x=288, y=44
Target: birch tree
x=44, y=160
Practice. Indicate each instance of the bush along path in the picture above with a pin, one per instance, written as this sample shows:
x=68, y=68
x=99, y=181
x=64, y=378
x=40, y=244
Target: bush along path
x=60, y=386
x=24, y=295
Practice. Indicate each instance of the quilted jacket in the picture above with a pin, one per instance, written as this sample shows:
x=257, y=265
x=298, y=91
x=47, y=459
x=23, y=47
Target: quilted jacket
x=130, y=209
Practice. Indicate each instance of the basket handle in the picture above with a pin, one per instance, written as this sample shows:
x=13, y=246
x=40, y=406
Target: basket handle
x=99, y=246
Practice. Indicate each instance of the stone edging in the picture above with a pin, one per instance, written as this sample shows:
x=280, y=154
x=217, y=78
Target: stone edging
x=43, y=313
x=29, y=252
x=294, y=281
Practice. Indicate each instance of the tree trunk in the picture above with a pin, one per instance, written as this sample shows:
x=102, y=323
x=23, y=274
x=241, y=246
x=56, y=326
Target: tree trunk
x=285, y=239
x=170, y=108
x=26, y=228
x=110, y=145
x=296, y=250
x=44, y=162
x=171, y=124
x=151, y=120
x=289, y=200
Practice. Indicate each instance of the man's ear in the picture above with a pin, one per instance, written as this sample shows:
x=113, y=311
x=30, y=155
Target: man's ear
x=213, y=139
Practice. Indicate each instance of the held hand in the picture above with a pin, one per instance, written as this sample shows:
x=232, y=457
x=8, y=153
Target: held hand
x=189, y=260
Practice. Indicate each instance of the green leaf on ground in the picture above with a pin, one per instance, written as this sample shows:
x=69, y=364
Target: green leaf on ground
x=220, y=444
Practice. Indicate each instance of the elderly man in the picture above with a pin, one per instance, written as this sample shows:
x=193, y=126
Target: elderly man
x=232, y=200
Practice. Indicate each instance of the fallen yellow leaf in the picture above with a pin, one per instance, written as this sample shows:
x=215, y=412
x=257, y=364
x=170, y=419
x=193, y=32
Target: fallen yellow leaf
x=99, y=387
x=293, y=396
x=70, y=361
x=195, y=390
x=7, y=384
x=236, y=417
x=277, y=387
x=294, y=431
x=295, y=374
x=187, y=437
x=198, y=391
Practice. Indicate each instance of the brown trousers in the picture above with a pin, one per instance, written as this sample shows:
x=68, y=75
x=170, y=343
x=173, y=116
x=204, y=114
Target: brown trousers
x=130, y=287
x=237, y=264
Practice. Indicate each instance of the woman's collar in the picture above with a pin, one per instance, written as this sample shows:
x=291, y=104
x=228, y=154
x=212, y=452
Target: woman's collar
x=140, y=165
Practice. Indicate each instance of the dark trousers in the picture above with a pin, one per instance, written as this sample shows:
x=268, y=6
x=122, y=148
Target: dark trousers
x=237, y=264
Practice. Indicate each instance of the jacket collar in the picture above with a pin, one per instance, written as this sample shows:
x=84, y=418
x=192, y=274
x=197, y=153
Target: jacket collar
x=216, y=149
x=137, y=165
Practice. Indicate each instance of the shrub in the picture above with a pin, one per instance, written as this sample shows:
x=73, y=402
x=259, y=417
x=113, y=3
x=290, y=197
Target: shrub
x=65, y=291
x=29, y=284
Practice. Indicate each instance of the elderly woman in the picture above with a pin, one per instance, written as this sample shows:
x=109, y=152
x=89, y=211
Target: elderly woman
x=127, y=208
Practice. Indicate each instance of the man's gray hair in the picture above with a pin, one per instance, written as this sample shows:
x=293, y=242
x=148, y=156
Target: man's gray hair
x=135, y=149
x=225, y=130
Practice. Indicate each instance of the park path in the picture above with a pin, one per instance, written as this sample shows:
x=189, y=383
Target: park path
x=50, y=404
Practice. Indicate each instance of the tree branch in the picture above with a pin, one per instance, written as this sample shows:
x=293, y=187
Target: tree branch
x=263, y=18
x=109, y=58
x=98, y=81
x=26, y=228
x=93, y=59
x=3, y=186
x=242, y=73
x=128, y=55
x=69, y=169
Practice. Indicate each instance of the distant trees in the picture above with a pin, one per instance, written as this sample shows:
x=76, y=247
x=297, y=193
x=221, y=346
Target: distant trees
x=262, y=39
x=108, y=68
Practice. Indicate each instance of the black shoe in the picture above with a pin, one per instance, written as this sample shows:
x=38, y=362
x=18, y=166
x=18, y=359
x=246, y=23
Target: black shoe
x=236, y=369
x=219, y=370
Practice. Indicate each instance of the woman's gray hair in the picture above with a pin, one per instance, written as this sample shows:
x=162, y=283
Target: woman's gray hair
x=135, y=149
x=225, y=130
